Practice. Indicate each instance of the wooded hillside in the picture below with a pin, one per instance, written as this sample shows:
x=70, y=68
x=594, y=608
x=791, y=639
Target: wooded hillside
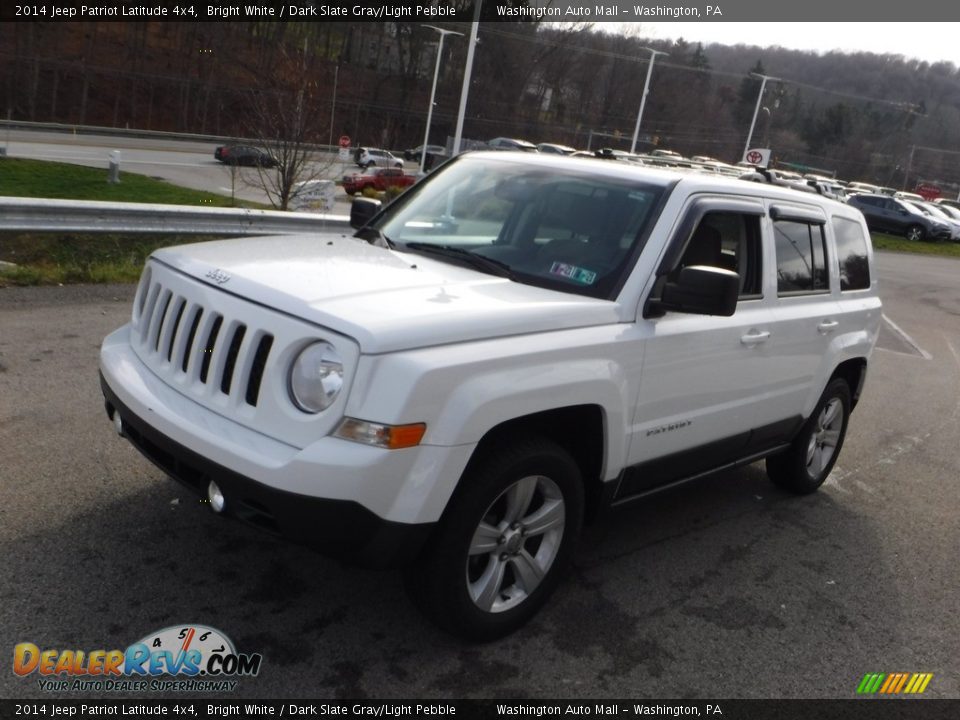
x=862, y=116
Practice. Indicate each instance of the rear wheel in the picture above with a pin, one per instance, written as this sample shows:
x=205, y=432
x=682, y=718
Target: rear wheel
x=500, y=548
x=807, y=463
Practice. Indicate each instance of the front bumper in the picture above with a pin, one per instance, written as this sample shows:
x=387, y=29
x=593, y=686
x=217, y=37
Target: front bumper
x=339, y=528
x=366, y=505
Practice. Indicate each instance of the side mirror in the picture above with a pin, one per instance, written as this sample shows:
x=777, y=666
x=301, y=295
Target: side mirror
x=362, y=211
x=702, y=290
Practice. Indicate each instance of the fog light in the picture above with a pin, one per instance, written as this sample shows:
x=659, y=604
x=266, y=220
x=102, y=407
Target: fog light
x=217, y=501
x=118, y=423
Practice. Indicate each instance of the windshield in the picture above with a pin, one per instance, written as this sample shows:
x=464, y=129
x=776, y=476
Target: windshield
x=566, y=229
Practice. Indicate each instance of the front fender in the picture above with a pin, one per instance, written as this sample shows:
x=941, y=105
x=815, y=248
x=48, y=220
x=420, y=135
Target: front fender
x=464, y=390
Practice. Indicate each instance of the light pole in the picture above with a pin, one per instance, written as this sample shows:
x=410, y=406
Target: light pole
x=756, y=110
x=467, y=73
x=643, y=100
x=333, y=104
x=433, y=90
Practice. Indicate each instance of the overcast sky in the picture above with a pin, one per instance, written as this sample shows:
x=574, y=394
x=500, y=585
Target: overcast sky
x=927, y=41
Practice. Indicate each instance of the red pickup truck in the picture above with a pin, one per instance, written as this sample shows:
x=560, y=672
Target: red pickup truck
x=378, y=178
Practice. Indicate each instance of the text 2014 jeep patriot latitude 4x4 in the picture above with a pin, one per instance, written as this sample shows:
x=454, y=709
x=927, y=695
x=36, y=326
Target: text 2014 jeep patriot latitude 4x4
x=514, y=343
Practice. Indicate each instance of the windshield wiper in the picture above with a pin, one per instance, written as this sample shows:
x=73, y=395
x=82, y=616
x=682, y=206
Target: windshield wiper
x=480, y=262
x=374, y=237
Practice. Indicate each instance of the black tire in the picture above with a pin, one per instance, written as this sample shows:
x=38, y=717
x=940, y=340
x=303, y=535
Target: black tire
x=916, y=233
x=521, y=506
x=803, y=468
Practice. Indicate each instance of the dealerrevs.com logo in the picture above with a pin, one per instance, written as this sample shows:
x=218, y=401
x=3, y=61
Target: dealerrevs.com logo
x=180, y=658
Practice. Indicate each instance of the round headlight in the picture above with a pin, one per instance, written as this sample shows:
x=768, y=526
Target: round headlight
x=316, y=377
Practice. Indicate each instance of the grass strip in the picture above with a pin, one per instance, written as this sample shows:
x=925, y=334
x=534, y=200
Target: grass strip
x=42, y=179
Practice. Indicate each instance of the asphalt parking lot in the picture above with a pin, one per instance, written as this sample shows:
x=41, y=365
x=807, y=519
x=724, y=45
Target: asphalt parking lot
x=723, y=588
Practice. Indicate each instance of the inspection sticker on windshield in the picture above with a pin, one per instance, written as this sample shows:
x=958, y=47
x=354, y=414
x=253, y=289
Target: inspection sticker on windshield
x=572, y=272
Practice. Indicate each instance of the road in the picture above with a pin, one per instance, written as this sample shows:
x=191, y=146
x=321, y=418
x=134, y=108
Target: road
x=723, y=588
x=726, y=588
x=180, y=162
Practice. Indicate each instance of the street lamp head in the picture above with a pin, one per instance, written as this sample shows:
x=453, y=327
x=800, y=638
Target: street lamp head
x=442, y=31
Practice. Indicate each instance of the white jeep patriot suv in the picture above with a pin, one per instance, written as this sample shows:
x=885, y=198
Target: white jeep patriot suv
x=514, y=343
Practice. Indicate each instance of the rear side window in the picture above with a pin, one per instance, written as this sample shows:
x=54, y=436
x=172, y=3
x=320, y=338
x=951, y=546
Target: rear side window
x=801, y=257
x=852, y=254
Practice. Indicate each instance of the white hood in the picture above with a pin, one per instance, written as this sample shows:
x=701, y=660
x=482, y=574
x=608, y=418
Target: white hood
x=385, y=300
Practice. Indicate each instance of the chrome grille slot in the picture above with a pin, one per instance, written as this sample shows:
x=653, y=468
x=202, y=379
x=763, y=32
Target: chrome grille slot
x=231, y=361
x=191, y=334
x=171, y=331
x=144, y=290
x=209, y=347
x=162, y=308
x=146, y=318
x=256, y=369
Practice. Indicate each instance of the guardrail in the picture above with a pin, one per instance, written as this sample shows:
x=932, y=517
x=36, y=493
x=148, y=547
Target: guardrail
x=134, y=133
x=89, y=216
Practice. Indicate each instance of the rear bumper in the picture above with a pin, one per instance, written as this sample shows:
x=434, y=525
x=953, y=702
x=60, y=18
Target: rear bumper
x=339, y=528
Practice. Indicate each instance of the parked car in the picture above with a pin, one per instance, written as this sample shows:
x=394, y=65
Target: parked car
x=668, y=154
x=375, y=157
x=415, y=153
x=377, y=178
x=951, y=210
x=903, y=195
x=555, y=149
x=505, y=143
x=932, y=210
x=458, y=388
x=887, y=214
x=856, y=188
x=829, y=189
x=247, y=155
x=945, y=201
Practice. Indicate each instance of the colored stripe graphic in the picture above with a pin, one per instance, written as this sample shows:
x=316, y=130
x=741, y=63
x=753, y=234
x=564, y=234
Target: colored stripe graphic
x=870, y=683
x=894, y=683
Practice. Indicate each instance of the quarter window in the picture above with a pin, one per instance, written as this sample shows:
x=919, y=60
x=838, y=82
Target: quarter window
x=851, y=254
x=801, y=257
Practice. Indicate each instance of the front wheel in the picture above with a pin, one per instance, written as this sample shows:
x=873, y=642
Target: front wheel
x=805, y=465
x=915, y=233
x=500, y=548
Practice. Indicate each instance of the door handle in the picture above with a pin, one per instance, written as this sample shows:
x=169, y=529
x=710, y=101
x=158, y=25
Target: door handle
x=827, y=326
x=754, y=337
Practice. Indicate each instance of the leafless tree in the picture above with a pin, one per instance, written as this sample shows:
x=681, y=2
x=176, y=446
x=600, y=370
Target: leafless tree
x=287, y=117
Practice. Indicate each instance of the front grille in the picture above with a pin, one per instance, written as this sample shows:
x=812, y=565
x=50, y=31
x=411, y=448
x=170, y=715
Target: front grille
x=182, y=338
x=230, y=355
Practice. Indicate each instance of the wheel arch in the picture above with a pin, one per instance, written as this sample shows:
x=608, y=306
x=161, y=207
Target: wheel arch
x=854, y=372
x=579, y=429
